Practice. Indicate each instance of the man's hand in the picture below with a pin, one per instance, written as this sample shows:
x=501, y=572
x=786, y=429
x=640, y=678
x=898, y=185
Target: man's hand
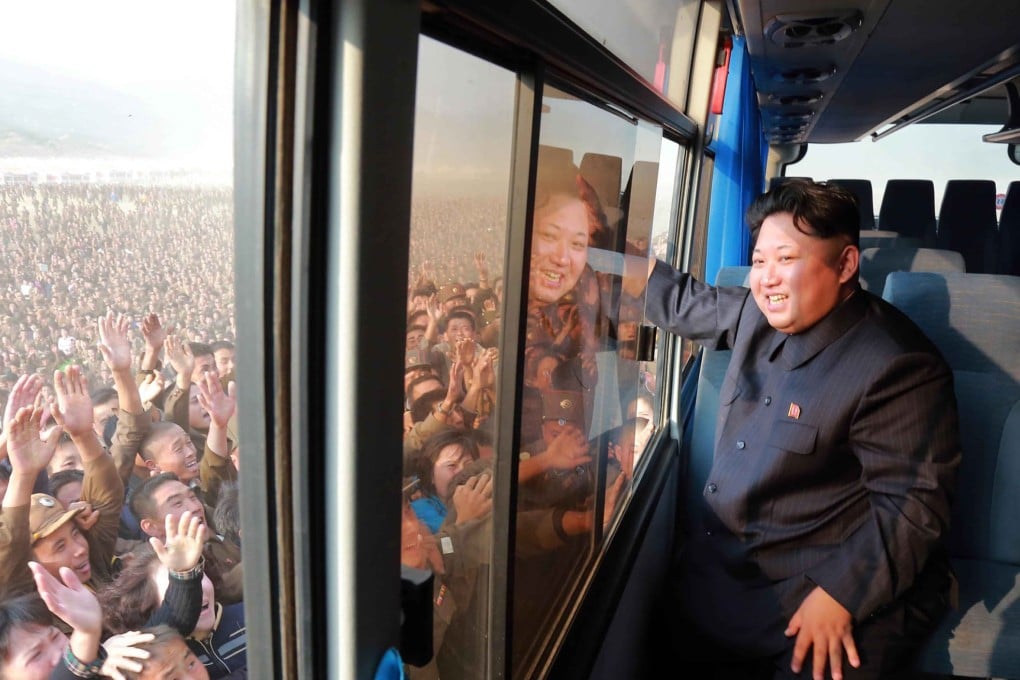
x=154, y=333
x=28, y=453
x=473, y=498
x=218, y=404
x=464, y=352
x=823, y=624
x=178, y=351
x=151, y=387
x=122, y=654
x=568, y=450
x=87, y=518
x=24, y=394
x=113, y=341
x=72, y=409
x=184, y=542
x=70, y=600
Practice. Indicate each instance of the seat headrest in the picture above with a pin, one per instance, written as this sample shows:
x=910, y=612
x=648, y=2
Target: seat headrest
x=974, y=319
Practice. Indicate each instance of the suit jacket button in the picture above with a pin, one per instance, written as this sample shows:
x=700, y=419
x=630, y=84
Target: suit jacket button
x=708, y=533
x=768, y=400
x=712, y=488
x=741, y=445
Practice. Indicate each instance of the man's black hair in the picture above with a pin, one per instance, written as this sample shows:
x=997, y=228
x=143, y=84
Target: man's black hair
x=142, y=505
x=15, y=612
x=227, y=516
x=221, y=344
x=423, y=405
x=101, y=395
x=59, y=480
x=818, y=208
x=200, y=349
x=459, y=312
x=419, y=380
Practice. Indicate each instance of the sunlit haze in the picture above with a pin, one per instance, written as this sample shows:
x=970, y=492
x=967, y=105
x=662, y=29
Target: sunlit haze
x=117, y=85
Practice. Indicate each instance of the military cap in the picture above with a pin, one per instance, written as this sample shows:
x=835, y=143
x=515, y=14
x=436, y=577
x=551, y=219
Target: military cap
x=46, y=515
x=417, y=358
x=563, y=406
x=450, y=291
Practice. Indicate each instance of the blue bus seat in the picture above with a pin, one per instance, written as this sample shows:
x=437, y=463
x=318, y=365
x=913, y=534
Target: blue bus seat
x=883, y=238
x=968, y=225
x=908, y=207
x=861, y=188
x=1009, y=232
x=974, y=319
x=877, y=263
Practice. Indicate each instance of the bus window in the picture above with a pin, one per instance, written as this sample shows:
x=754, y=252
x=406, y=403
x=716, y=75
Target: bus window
x=936, y=151
x=653, y=37
x=595, y=190
x=454, y=305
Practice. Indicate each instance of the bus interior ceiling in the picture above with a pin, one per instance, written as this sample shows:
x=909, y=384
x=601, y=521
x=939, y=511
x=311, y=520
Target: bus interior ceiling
x=830, y=71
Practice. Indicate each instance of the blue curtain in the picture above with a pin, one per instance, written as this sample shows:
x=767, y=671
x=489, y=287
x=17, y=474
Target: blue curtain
x=740, y=152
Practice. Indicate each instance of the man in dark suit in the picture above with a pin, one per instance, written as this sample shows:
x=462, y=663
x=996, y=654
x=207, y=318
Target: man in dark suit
x=836, y=450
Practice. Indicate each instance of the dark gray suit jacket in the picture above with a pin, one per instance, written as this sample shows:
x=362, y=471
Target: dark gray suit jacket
x=835, y=458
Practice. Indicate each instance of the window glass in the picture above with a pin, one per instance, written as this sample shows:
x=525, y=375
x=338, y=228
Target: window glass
x=462, y=158
x=117, y=247
x=595, y=205
x=919, y=151
x=647, y=404
x=653, y=37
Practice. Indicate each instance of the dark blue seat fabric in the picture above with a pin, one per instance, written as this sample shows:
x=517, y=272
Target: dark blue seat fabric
x=908, y=208
x=861, y=188
x=974, y=319
x=880, y=238
x=877, y=263
x=1009, y=232
x=968, y=225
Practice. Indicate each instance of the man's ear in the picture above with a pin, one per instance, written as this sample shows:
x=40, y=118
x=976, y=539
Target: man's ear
x=148, y=527
x=849, y=261
x=153, y=468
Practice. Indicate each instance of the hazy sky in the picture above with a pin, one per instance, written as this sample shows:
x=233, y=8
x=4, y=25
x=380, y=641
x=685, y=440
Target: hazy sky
x=174, y=57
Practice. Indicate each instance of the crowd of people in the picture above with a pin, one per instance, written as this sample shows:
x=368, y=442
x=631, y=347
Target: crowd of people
x=119, y=458
x=72, y=252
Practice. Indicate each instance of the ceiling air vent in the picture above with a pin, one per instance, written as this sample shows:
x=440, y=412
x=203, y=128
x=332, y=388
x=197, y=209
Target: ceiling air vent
x=805, y=75
x=792, y=116
x=803, y=99
x=806, y=30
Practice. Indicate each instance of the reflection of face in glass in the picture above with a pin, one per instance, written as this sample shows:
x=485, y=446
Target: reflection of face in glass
x=450, y=461
x=641, y=410
x=559, y=248
x=543, y=374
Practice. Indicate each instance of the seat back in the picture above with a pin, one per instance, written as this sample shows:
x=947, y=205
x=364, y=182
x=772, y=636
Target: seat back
x=974, y=320
x=861, y=188
x=967, y=223
x=1009, y=232
x=908, y=207
x=605, y=173
x=876, y=263
x=881, y=238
